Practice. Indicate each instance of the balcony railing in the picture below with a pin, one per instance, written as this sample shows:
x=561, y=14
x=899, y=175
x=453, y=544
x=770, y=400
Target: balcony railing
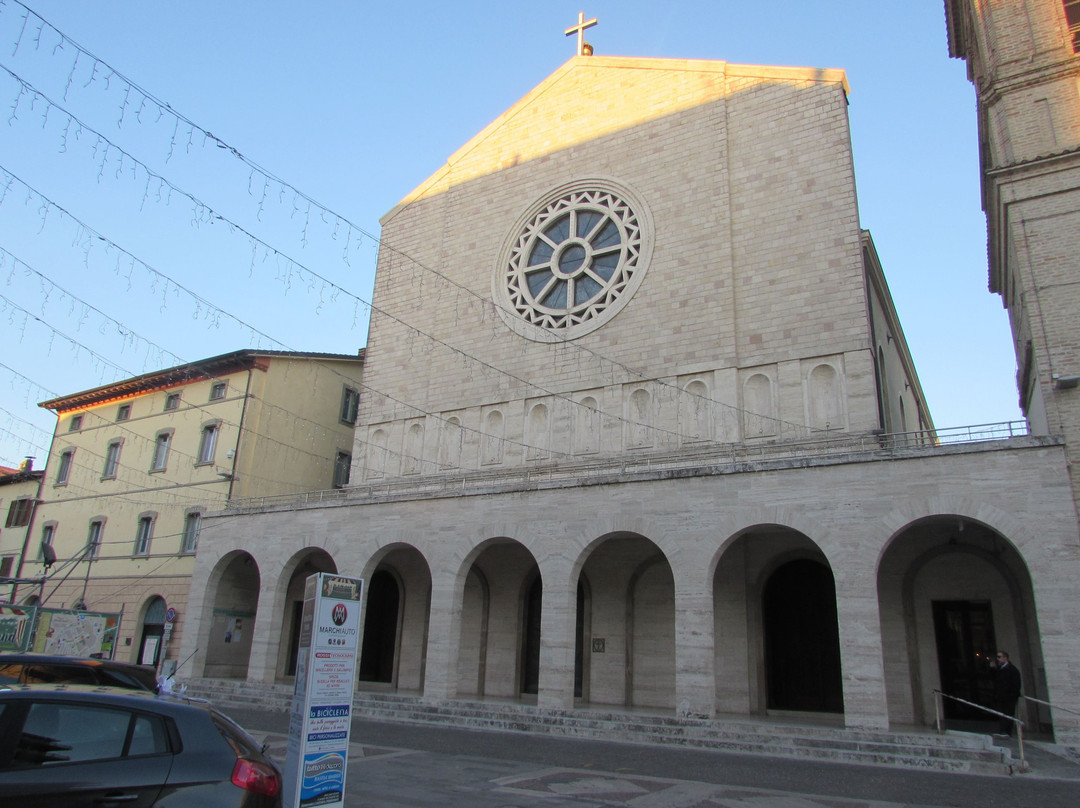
x=709, y=459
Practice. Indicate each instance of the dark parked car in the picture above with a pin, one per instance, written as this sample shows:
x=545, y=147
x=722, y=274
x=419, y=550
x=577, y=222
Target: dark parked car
x=44, y=668
x=70, y=746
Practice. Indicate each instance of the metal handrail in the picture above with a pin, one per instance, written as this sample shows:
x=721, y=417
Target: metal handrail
x=1051, y=706
x=1019, y=723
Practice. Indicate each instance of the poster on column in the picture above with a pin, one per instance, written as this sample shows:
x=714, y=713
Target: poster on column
x=321, y=714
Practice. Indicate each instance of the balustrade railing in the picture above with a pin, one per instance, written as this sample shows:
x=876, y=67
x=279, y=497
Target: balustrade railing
x=714, y=458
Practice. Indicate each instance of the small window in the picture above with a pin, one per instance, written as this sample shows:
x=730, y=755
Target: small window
x=7, y=563
x=64, y=471
x=207, y=444
x=1072, y=19
x=19, y=512
x=341, y=469
x=75, y=424
x=112, y=460
x=350, y=403
x=161, y=451
x=93, y=538
x=143, y=534
x=191, y=533
x=123, y=412
x=172, y=401
x=48, y=533
x=217, y=392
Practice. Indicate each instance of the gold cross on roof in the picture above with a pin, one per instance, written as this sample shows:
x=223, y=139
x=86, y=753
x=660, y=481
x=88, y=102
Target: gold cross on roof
x=579, y=29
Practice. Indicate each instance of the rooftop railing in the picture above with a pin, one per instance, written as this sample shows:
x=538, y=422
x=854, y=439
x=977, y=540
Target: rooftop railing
x=709, y=459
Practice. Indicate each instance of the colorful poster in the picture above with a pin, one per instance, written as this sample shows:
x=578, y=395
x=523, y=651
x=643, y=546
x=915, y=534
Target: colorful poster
x=321, y=714
x=16, y=627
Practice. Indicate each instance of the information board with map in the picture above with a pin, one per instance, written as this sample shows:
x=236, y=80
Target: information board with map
x=73, y=633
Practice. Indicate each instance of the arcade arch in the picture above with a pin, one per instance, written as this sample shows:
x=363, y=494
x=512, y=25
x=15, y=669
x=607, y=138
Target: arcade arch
x=293, y=580
x=775, y=621
x=393, y=649
x=232, y=598
x=951, y=591
x=499, y=648
x=626, y=610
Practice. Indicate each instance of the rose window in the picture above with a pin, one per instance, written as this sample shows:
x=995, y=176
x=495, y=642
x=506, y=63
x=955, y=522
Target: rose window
x=574, y=259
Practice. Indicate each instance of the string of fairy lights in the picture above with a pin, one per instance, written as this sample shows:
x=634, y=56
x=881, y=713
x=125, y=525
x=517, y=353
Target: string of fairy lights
x=117, y=163
x=205, y=211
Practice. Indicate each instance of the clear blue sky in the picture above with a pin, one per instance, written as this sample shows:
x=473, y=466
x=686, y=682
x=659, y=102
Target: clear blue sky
x=354, y=104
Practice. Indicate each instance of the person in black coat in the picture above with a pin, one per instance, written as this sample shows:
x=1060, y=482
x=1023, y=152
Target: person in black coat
x=1007, y=686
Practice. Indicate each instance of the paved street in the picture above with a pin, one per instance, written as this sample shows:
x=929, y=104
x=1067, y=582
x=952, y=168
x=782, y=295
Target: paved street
x=398, y=766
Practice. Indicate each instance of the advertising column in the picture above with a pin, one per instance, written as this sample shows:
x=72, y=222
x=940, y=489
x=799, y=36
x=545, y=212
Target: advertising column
x=321, y=715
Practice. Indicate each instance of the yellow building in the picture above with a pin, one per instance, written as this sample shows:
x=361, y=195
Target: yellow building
x=135, y=464
x=18, y=493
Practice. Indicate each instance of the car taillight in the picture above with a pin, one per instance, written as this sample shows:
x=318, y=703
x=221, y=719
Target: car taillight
x=251, y=775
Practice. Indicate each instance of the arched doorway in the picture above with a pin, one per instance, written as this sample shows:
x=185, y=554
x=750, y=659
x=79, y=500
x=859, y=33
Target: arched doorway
x=380, y=628
x=952, y=591
x=153, y=632
x=802, y=639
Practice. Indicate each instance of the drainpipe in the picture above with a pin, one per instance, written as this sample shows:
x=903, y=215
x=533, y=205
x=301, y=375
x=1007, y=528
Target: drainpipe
x=239, y=432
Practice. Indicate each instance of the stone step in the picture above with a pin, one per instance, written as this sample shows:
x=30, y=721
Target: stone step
x=953, y=752
x=841, y=745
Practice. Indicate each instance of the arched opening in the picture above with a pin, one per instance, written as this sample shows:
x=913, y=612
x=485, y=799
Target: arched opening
x=380, y=628
x=802, y=639
x=882, y=390
x=951, y=592
x=151, y=638
x=397, y=605
x=309, y=563
x=499, y=645
x=627, y=613
x=756, y=613
x=235, y=601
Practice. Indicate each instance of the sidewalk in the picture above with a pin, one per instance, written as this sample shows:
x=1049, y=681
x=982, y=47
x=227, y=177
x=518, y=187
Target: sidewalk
x=392, y=765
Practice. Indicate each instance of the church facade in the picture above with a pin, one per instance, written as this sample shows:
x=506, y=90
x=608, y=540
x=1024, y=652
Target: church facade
x=638, y=428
